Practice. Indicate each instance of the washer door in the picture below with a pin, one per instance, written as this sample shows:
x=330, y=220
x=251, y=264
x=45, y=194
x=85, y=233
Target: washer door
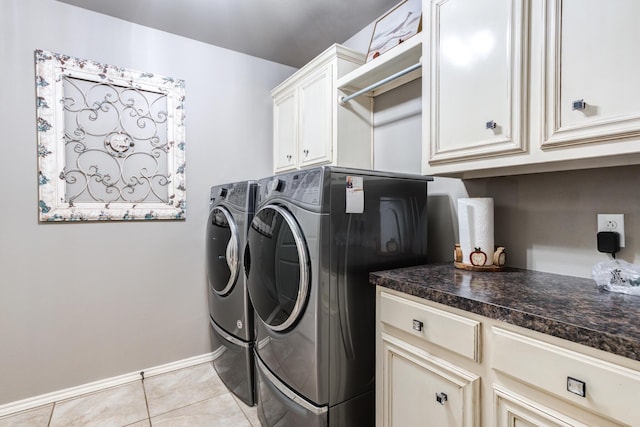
x=277, y=267
x=222, y=249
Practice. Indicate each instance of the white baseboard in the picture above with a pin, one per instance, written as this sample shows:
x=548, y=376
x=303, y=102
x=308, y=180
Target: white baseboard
x=45, y=399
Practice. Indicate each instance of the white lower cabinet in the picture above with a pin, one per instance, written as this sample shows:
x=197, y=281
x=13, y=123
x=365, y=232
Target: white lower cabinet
x=516, y=411
x=514, y=377
x=583, y=381
x=421, y=389
x=415, y=386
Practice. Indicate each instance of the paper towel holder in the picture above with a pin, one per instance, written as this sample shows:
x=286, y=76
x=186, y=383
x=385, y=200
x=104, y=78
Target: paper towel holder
x=499, y=258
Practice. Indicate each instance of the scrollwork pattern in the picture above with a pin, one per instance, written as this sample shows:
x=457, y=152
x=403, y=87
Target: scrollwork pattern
x=110, y=142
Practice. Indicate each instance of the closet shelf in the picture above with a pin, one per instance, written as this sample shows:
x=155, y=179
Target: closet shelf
x=391, y=62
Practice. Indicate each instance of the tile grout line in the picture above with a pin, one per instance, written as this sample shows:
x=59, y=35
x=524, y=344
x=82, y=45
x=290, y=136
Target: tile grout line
x=146, y=401
x=246, y=416
x=53, y=408
x=183, y=407
x=239, y=403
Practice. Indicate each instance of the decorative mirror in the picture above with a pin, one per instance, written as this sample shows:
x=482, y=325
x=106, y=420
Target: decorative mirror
x=110, y=142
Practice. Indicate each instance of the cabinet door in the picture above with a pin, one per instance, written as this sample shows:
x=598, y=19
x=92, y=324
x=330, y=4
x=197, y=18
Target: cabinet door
x=592, y=62
x=476, y=88
x=285, y=129
x=517, y=411
x=315, y=135
x=421, y=390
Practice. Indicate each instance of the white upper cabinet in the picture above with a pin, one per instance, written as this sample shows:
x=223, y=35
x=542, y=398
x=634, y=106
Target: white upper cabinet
x=475, y=94
x=310, y=128
x=592, y=73
x=285, y=130
x=521, y=86
x=314, y=145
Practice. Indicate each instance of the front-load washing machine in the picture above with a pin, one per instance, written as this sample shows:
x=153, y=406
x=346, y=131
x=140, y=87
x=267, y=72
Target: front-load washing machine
x=231, y=314
x=314, y=238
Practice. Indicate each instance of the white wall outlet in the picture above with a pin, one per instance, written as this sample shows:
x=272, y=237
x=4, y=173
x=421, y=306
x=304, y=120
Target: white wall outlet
x=612, y=222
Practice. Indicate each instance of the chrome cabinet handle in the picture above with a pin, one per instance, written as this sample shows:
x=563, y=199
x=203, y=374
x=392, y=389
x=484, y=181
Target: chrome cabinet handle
x=417, y=325
x=490, y=125
x=576, y=386
x=578, y=105
x=289, y=156
x=441, y=398
x=306, y=152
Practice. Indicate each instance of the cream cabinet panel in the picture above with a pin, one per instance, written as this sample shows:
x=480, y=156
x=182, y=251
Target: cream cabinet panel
x=455, y=333
x=310, y=128
x=420, y=389
x=517, y=411
x=285, y=130
x=315, y=119
x=475, y=93
x=592, y=83
x=601, y=387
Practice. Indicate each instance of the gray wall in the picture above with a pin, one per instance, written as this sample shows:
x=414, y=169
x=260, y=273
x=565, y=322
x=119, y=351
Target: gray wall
x=83, y=302
x=547, y=222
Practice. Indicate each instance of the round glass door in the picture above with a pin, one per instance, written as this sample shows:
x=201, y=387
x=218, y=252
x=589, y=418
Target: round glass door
x=222, y=250
x=277, y=267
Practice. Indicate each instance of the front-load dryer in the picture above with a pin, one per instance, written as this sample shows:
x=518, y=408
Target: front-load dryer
x=314, y=238
x=231, y=315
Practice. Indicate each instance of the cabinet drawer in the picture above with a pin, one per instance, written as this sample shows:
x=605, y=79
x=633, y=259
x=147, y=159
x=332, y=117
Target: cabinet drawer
x=447, y=330
x=609, y=389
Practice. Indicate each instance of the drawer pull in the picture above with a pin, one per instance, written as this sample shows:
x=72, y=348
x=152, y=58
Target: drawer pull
x=577, y=387
x=417, y=325
x=578, y=105
x=441, y=398
x=490, y=125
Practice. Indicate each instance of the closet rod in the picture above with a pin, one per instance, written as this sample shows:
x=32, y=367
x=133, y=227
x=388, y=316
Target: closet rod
x=345, y=99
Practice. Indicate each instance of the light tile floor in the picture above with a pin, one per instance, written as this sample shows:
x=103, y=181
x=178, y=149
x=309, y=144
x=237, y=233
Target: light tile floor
x=193, y=396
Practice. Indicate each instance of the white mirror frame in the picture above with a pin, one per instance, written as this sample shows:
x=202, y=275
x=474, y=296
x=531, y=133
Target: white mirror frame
x=53, y=205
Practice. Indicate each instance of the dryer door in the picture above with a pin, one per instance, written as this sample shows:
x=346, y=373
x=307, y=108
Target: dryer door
x=222, y=249
x=277, y=267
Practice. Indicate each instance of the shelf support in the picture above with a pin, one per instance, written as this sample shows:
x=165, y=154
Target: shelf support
x=344, y=99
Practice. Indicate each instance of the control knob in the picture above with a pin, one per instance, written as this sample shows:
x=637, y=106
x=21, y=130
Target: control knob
x=276, y=184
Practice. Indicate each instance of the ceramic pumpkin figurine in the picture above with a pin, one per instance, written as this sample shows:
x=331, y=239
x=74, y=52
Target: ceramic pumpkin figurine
x=477, y=257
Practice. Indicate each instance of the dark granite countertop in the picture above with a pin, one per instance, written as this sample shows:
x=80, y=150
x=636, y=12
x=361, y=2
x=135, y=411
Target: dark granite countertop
x=567, y=307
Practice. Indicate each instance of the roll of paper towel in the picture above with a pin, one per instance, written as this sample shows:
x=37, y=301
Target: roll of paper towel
x=475, y=225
